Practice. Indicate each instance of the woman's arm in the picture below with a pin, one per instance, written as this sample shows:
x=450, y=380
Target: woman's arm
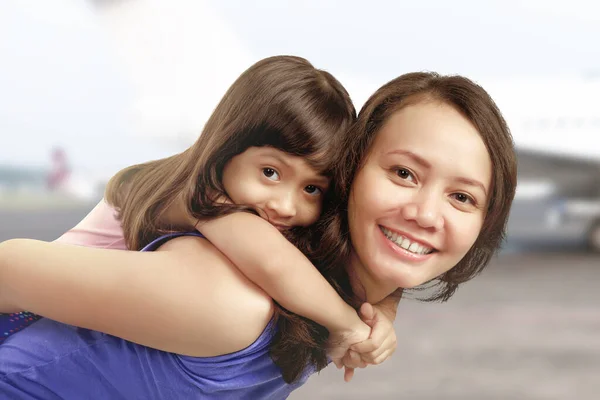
x=268, y=259
x=186, y=298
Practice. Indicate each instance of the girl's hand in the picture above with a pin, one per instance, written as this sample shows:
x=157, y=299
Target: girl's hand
x=380, y=345
x=340, y=342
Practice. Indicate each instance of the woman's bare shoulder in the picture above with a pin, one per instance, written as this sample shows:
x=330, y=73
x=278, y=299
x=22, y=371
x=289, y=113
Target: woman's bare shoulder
x=242, y=309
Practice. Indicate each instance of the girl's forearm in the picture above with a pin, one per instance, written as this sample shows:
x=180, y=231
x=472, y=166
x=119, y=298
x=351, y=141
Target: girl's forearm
x=279, y=268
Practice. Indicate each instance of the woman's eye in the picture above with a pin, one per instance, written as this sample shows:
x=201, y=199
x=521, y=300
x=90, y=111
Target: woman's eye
x=463, y=198
x=313, y=190
x=271, y=174
x=405, y=174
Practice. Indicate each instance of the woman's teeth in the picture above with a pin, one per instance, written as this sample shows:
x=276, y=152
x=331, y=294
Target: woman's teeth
x=405, y=243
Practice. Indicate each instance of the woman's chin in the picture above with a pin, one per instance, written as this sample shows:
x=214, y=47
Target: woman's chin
x=409, y=283
x=405, y=278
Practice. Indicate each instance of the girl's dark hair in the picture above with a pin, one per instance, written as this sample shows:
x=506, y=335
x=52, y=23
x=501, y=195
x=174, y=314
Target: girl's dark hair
x=283, y=102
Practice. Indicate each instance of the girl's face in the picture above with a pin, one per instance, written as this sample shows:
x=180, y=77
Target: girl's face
x=418, y=204
x=282, y=188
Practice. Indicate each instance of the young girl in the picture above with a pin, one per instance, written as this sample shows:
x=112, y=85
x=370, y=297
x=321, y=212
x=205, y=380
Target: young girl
x=425, y=183
x=266, y=148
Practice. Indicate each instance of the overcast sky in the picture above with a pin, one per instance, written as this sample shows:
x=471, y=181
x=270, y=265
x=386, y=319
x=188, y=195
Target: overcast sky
x=64, y=81
x=380, y=38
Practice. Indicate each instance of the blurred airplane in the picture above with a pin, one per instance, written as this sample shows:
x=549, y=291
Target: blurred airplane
x=555, y=115
x=556, y=125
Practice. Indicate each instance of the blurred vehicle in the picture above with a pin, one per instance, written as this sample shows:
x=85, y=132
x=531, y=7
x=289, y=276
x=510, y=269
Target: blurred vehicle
x=557, y=205
x=556, y=223
x=21, y=178
x=583, y=215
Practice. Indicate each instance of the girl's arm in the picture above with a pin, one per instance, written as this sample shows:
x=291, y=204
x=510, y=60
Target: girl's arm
x=389, y=305
x=268, y=259
x=186, y=298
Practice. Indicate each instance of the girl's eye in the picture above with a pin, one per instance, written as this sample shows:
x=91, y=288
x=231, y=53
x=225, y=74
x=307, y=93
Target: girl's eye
x=405, y=174
x=271, y=174
x=313, y=190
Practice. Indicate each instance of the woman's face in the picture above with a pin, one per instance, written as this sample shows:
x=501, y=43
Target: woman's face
x=418, y=203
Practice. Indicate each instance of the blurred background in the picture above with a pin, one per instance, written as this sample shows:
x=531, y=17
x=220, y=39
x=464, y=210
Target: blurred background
x=88, y=87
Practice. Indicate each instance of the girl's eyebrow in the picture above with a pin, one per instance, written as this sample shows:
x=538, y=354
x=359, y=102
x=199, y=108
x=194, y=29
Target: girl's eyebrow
x=282, y=160
x=322, y=180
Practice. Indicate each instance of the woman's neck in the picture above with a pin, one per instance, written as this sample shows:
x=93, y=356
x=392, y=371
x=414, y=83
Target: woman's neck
x=364, y=285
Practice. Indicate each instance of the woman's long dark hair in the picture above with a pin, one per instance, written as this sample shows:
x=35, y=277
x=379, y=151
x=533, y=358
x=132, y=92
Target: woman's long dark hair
x=477, y=106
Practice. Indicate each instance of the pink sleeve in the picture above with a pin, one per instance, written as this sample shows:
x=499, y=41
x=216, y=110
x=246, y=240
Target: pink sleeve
x=100, y=228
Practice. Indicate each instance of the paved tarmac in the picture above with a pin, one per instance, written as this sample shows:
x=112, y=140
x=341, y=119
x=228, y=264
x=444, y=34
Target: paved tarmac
x=528, y=328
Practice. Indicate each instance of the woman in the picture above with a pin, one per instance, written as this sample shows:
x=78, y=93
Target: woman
x=428, y=174
x=426, y=180
x=265, y=149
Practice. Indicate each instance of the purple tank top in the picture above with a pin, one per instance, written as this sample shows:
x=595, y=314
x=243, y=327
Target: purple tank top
x=49, y=360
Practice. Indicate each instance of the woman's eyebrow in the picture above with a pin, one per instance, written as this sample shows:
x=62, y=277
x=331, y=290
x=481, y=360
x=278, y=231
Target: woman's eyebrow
x=417, y=158
x=470, y=182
